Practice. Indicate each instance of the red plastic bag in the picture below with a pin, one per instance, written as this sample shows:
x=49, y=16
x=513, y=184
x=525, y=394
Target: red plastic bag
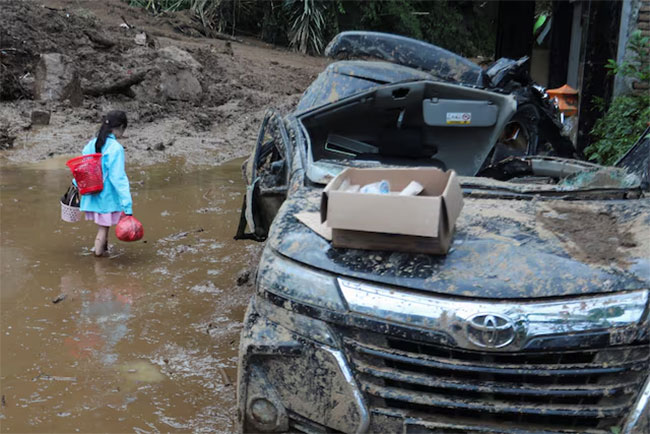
x=129, y=228
x=87, y=171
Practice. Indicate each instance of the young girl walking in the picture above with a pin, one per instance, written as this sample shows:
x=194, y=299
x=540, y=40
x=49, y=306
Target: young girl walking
x=106, y=207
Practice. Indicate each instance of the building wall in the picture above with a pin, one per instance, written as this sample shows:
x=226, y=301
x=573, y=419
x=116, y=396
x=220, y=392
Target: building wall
x=635, y=15
x=643, y=24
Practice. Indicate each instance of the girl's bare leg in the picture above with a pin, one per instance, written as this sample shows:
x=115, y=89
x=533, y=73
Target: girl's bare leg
x=101, y=241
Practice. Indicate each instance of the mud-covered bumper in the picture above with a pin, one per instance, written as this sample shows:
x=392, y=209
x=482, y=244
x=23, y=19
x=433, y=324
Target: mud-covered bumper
x=295, y=376
x=289, y=382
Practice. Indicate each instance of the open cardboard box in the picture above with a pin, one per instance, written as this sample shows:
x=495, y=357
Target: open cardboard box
x=422, y=223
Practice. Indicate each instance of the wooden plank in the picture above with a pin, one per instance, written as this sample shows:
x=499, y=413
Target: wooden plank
x=644, y=16
x=643, y=26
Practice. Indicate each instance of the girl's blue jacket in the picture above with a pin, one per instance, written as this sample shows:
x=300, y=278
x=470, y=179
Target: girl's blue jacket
x=116, y=195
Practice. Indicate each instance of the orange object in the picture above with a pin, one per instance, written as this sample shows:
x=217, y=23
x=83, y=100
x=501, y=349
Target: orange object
x=567, y=99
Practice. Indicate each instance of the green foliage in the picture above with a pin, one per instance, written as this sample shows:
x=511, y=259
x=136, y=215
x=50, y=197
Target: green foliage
x=211, y=13
x=619, y=129
x=307, y=24
x=636, y=64
x=444, y=27
x=272, y=25
x=465, y=27
x=628, y=115
x=397, y=15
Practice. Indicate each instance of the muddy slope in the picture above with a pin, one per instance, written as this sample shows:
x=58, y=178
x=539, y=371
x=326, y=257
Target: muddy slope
x=206, y=125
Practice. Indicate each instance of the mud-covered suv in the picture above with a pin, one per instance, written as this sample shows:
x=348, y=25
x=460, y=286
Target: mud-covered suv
x=536, y=321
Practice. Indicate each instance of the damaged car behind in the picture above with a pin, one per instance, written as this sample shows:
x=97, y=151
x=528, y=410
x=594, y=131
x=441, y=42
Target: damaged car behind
x=536, y=321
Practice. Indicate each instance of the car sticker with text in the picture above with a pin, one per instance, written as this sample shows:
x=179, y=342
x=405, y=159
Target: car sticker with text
x=459, y=118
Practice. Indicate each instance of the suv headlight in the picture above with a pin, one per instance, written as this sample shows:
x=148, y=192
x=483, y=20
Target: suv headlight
x=293, y=281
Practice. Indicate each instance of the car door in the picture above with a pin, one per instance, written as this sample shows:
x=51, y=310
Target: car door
x=266, y=173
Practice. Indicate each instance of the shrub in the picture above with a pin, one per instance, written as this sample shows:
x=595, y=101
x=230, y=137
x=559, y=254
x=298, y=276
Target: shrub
x=619, y=129
x=628, y=115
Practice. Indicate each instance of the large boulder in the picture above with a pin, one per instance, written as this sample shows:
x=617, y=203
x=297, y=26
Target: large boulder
x=41, y=117
x=56, y=79
x=180, y=85
x=181, y=58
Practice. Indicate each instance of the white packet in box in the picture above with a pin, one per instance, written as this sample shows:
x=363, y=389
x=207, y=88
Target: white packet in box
x=345, y=186
x=413, y=189
x=381, y=187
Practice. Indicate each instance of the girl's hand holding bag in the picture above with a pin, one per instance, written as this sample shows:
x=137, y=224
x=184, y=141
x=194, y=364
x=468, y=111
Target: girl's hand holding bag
x=129, y=228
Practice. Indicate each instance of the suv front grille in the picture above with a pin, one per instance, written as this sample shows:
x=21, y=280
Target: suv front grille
x=577, y=390
x=299, y=424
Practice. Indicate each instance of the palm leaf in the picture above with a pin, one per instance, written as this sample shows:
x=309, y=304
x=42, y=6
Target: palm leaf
x=306, y=31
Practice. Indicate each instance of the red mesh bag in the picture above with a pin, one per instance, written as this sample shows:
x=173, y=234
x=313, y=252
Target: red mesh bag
x=129, y=228
x=87, y=171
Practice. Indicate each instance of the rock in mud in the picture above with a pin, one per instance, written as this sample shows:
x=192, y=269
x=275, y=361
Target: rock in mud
x=227, y=49
x=59, y=298
x=181, y=86
x=6, y=138
x=40, y=117
x=180, y=57
x=140, y=39
x=27, y=83
x=99, y=39
x=57, y=79
x=243, y=277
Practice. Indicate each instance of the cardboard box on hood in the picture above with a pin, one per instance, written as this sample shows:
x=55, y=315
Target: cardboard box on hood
x=422, y=224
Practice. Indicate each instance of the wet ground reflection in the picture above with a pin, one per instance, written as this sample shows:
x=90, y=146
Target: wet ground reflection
x=143, y=341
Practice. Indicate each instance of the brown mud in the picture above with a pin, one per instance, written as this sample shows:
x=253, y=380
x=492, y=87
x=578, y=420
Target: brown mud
x=144, y=340
x=238, y=82
x=575, y=227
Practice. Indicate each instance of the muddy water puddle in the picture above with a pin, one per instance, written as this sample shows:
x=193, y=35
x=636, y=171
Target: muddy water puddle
x=142, y=341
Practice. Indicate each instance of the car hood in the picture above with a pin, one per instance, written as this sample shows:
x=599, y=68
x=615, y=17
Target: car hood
x=505, y=249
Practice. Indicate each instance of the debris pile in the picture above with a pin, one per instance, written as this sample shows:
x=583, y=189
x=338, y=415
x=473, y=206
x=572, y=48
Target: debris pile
x=77, y=61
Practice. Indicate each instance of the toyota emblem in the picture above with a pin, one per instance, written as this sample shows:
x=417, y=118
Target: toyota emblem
x=490, y=330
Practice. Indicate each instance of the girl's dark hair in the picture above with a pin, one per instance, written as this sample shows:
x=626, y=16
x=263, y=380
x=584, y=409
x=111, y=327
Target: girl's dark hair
x=113, y=119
